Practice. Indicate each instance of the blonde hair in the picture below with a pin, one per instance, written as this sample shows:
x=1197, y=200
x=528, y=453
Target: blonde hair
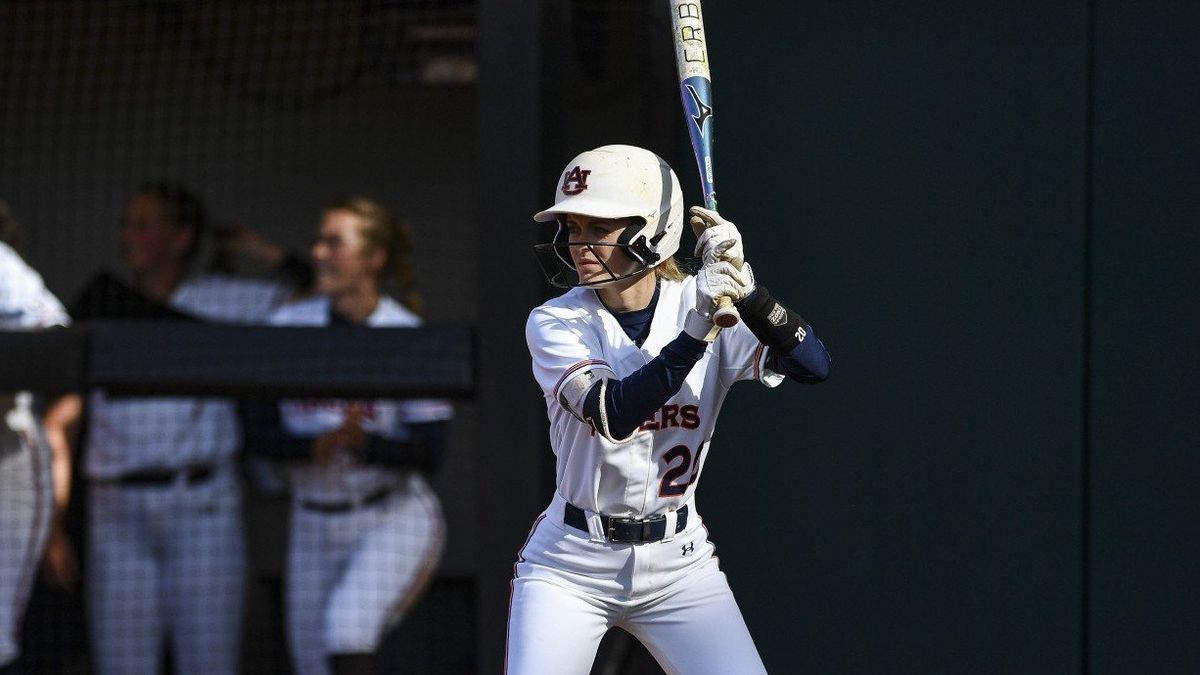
x=670, y=270
x=384, y=230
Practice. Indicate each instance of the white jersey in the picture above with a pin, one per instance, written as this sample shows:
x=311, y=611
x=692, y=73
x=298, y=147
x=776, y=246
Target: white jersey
x=344, y=481
x=25, y=302
x=131, y=434
x=657, y=469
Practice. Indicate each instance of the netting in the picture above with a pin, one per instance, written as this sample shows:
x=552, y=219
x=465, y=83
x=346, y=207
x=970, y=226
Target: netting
x=175, y=161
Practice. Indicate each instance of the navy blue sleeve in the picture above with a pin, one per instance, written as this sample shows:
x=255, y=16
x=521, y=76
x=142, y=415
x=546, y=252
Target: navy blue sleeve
x=632, y=400
x=423, y=451
x=807, y=363
x=264, y=433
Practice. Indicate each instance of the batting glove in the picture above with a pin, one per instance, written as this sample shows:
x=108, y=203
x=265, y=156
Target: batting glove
x=712, y=243
x=723, y=278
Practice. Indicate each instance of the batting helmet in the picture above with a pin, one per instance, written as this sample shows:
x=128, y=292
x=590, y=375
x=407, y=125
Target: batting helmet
x=617, y=181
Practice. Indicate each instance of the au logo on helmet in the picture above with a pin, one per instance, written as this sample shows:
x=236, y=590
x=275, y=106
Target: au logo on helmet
x=575, y=181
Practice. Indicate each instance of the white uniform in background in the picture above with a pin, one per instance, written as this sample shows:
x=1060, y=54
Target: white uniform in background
x=572, y=585
x=166, y=550
x=365, y=539
x=26, y=485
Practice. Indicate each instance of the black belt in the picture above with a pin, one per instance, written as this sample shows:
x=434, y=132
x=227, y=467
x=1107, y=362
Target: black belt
x=150, y=477
x=627, y=530
x=342, y=507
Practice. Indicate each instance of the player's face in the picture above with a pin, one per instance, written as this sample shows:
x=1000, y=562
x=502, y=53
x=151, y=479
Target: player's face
x=597, y=263
x=149, y=240
x=343, y=259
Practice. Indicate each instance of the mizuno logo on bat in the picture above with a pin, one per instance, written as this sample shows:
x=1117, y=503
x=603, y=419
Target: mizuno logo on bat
x=703, y=112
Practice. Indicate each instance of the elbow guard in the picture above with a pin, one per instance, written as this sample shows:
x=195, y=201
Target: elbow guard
x=774, y=325
x=584, y=397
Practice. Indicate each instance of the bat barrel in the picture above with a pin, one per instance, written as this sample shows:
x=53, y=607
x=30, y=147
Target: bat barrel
x=695, y=89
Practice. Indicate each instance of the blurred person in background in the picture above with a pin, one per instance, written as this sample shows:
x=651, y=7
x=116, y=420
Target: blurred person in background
x=166, y=552
x=35, y=468
x=367, y=530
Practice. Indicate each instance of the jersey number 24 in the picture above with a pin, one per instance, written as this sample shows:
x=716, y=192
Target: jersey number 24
x=669, y=487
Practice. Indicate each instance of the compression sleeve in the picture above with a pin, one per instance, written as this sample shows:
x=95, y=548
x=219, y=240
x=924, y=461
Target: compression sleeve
x=807, y=363
x=619, y=407
x=424, y=451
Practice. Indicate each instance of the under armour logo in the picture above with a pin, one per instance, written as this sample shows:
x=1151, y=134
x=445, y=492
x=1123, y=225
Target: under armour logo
x=689, y=547
x=578, y=177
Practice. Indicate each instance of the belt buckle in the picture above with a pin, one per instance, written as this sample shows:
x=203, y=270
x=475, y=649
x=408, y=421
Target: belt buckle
x=612, y=531
x=641, y=537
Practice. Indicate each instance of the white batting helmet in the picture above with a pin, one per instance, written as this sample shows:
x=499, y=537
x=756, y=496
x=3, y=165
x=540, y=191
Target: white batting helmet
x=621, y=181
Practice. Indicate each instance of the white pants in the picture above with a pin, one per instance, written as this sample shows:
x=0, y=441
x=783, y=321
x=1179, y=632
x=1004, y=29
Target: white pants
x=353, y=575
x=26, y=505
x=166, y=560
x=671, y=595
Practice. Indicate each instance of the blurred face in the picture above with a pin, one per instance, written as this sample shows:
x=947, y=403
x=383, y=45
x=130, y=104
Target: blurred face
x=597, y=263
x=149, y=241
x=343, y=260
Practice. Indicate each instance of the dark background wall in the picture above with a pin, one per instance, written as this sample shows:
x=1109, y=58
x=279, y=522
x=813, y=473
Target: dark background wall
x=915, y=188
x=988, y=212
x=1145, y=272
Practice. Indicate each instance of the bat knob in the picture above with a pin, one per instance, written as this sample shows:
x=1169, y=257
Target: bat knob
x=726, y=315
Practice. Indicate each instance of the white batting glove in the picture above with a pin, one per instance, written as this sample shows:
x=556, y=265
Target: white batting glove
x=716, y=231
x=722, y=278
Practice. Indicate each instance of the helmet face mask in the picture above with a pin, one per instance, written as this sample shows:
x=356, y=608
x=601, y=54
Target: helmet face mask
x=555, y=257
x=614, y=182
x=559, y=266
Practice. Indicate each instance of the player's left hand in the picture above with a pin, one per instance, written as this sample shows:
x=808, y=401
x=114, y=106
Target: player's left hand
x=719, y=239
x=722, y=278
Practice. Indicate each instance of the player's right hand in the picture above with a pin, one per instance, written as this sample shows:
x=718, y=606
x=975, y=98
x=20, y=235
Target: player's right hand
x=722, y=279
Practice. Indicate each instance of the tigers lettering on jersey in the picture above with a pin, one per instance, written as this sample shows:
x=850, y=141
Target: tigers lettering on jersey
x=686, y=416
x=668, y=417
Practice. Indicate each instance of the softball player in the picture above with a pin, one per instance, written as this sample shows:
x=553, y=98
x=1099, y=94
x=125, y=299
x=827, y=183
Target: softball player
x=634, y=374
x=27, y=489
x=166, y=554
x=366, y=527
